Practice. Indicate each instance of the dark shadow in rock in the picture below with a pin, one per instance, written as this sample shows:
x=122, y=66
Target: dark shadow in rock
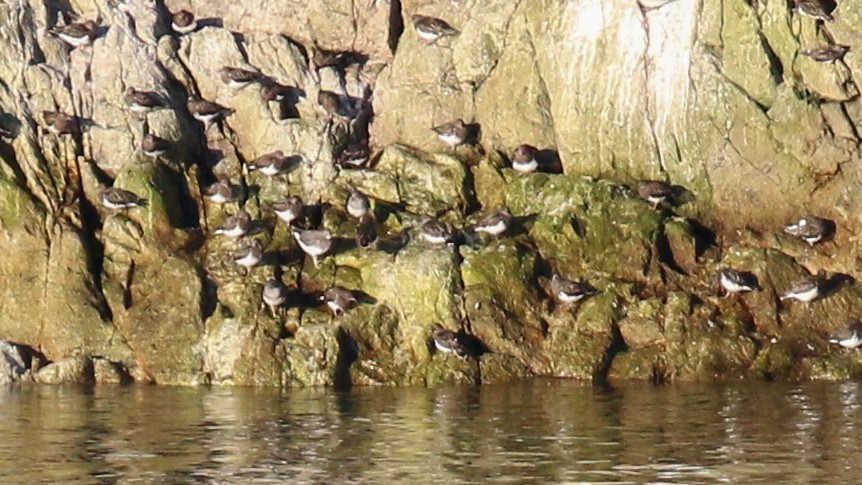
x=341, y=244
x=31, y=358
x=579, y=226
x=705, y=237
x=549, y=161
x=209, y=294
x=10, y=126
x=521, y=224
x=665, y=254
x=392, y=244
x=348, y=352
x=834, y=283
x=473, y=347
x=396, y=24
x=617, y=346
x=474, y=134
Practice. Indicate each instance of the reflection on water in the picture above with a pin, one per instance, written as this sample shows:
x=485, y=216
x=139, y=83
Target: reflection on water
x=541, y=431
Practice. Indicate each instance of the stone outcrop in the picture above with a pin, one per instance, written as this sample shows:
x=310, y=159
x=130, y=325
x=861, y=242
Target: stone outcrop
x=715, y=98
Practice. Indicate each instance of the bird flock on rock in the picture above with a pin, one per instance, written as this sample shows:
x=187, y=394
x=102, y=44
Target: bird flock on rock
x=317, y=243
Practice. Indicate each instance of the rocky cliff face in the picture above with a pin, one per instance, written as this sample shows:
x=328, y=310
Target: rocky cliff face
x=715, y=97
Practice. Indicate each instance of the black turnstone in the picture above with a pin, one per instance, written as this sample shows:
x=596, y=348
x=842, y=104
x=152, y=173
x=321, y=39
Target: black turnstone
x=447, y=341
x=338, y=299
x=273, y=91
x=249, y=254
x=60, y=123
x=654, y=191
x=733, y=281
x=220, y=192
x=142, y=101
x=524, y=159
x=78, y=34
x=435, y=232
x=271, y=164
x=314, y=243
x=829, y=53
x=237, y=78
x=183, y=22
x=806, y=290
x=431, y=29
x=115, y=198
x=813, y=9
x=354, y=155
x=568, y=291
x=811, y=229
x=495, y=223
x=366, y=231
x=289, y=209
x=153, y=146
x=207, y=111
x=357, y=204
x=849, y=336
x=330, y=102
x=453, y=133
x=274, y=294
x=235, y=226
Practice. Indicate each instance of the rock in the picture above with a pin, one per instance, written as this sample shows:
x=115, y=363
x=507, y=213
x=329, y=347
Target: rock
x=642, y=326
x=17, y=362
x=107, y=372
x=71, y=370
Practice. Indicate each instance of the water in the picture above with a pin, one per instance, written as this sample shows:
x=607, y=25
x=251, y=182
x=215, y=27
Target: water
x=541, y=431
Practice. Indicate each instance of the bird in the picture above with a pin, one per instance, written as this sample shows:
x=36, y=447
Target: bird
x=77, y=34
x=654, y=191
x=453, y=133
x=206, y=111
x=235, y=226
x=289, y=209
x=154, y=146
x=813, y=9
x=183, y=22
x=829, y=53
x=249, y=254
x=354, y=155
x=524, y=159
x=357, y=204
x=314, y=243
x=273, y=91
x=806, y=290
x=271, y=164
x=447, y=341
x=61, y=124
x=811, y=229
x=366, y=231
x=435, y=232
x=236, y=77
x=431, y=29
x=849, y=336
x=220, y=192
x=142, y=101
x=568, y=291
x=733, y=281
x=274, y=294
x=114, y=198
x=338, y=299
x=495, y=223
x=330, y=102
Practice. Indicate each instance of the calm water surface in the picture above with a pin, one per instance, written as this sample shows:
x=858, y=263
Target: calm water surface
x=541, y=431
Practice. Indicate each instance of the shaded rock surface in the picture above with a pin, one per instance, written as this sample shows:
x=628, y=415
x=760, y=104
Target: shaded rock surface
x=714, y=98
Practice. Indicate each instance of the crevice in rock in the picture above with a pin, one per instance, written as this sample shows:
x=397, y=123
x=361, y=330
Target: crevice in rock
x=348, y=352
x=396, y=25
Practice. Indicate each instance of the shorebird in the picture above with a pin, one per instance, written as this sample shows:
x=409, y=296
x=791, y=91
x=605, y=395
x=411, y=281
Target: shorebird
x=289, y=209
x=183, y=22
x=357, y=204
x=235, y=226
x=811, y=229
x=568, y=291
x=220, y=192
x=238, y=78
x=77, y=34
x=366, y=231
x=432, y=29
x=813, y=9
x=273, y=91
x=808, y=289
x=271, y=164
x=354, y=155
x=338, y=299
x=733, y=281
x=274, y=295
x=314, y=243
x=447, y=341
x=524, y=159
x=330, y=102
x=654, y=191
x=453, y=133
x=249, y=254
x=205, y=111
x=435, y=232
x=849, y=336
x=114, y=198
x=829, y=53
x=153, y=146
x=61, y=124
x=142, y=101
x=495, y=223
